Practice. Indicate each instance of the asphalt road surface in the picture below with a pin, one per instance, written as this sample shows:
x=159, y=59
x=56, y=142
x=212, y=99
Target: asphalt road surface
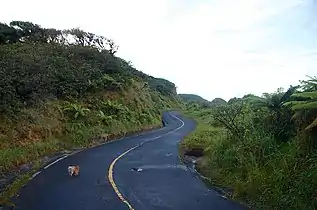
x=109, y=177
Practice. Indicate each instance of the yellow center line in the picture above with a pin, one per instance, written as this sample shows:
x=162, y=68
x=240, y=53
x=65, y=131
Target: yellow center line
x=110, y=171
x=113, y=184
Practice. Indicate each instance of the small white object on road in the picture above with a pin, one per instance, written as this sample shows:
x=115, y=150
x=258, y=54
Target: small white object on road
x=137, y=169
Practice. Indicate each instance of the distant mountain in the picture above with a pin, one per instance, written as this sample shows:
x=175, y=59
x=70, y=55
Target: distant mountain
x=193, y=97
x=218, y=101
x=201, y=100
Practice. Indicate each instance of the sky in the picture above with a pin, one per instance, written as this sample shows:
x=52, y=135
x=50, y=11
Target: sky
x=213, y=48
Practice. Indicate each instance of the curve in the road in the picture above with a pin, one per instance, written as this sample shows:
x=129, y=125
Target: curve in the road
x=112, y=182
x=164, y=182
x=110, y=171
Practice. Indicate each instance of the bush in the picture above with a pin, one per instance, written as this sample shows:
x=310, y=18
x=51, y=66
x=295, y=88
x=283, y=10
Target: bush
x=257, y=147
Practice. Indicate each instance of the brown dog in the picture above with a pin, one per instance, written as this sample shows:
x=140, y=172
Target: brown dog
x=73, y=170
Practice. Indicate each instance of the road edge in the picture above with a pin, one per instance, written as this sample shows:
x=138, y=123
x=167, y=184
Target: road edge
x=34, y=168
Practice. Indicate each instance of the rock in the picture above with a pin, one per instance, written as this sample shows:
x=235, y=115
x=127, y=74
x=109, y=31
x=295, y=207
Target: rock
x=26, y=167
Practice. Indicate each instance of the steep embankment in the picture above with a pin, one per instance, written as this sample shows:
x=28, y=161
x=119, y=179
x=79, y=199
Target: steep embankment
x=56, y=95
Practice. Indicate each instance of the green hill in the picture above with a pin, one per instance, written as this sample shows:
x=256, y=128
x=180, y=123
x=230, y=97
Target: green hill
x=218, y=101
x=57, y=94
x=193, y=97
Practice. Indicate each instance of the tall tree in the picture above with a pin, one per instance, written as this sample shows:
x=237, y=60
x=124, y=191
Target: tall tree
x=29, y=31
x=8, y=34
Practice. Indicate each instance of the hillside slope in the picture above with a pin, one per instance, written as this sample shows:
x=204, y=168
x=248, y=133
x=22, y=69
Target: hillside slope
x=193, y=98
x=57, y=94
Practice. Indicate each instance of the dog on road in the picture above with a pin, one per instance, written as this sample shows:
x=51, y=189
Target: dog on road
x=73, y=170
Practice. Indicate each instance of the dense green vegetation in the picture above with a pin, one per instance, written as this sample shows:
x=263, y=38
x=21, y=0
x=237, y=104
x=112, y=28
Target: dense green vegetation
x=61, y=88
x=263, y=149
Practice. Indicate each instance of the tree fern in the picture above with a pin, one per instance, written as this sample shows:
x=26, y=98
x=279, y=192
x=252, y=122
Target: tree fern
x=306, y=95
x=305, y=103
x=294, y=103
x=299, y=105
x=310, y=84
x=288, y=94
x=275, y=100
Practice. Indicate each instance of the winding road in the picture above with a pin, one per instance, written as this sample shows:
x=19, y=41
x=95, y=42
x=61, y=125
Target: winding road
x=109, y=178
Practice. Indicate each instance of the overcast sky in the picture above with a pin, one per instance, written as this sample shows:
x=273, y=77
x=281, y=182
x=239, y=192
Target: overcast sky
x=214, y=48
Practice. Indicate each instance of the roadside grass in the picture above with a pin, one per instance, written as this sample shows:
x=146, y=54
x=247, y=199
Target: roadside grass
x=11, y=157
x=81, y=138
x=12, y=189
x=256, y=170
x=47, y=129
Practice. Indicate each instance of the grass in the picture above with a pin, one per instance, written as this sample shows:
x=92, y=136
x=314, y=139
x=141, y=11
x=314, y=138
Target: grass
x=83, y=137
x=59, y=96
x=47, y=129
x=12, y=189
x=257, y=170
x=12, y=157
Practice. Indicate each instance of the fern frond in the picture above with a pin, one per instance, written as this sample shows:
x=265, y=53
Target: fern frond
x=309, y=85
x=296, y=115
x=305, y=105
x=312, y=79
x=312, y=125
x=101, y=114
x=307, y=95
x=86, y=110
x=292, y=103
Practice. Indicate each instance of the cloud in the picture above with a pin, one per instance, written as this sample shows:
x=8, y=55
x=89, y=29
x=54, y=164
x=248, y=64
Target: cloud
x=212, y=48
